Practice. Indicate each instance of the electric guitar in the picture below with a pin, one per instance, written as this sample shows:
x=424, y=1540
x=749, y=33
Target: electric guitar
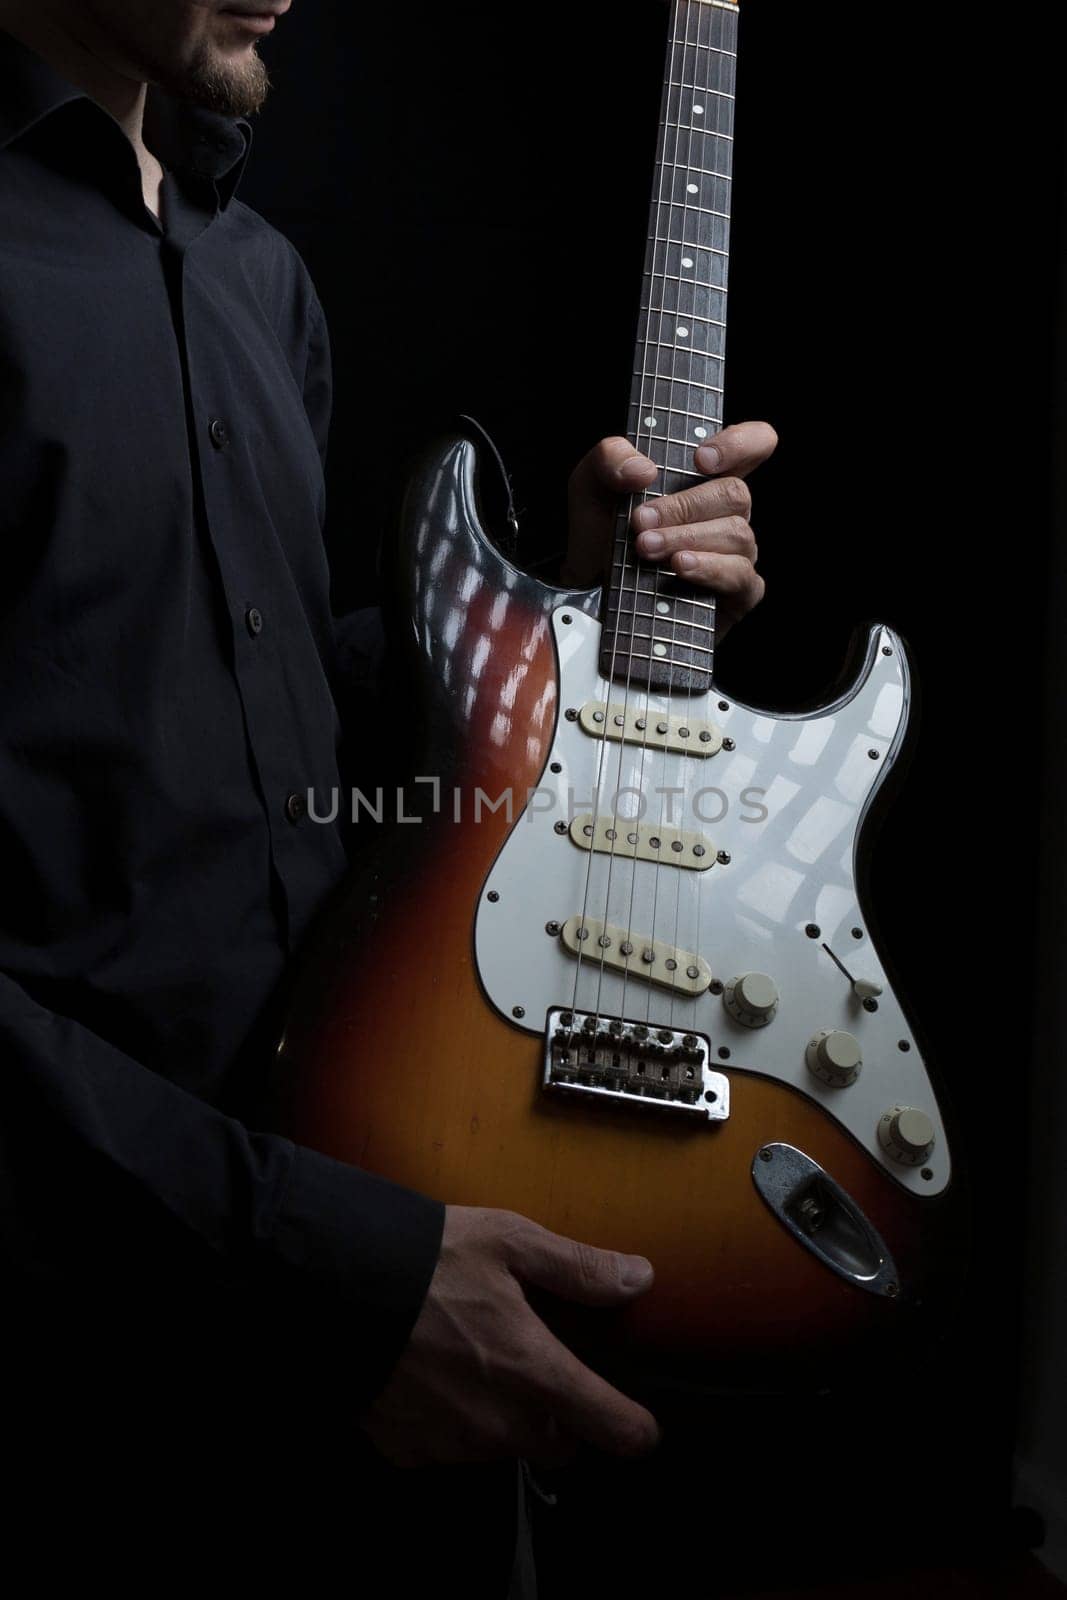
x=620, y=975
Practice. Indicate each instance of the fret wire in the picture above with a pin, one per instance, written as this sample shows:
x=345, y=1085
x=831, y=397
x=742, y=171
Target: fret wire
x=665, y=344
x=700, y=89
x=677, y=411
x=704, y=649
x=703, y=605
x=690, y=316
x=714, y=48
x=683, y=166
x=666, y=661
x=651, y=616
x=690, y=383
x=712, y=133
x=691, y=205
x=709, y=249
x=668, y=438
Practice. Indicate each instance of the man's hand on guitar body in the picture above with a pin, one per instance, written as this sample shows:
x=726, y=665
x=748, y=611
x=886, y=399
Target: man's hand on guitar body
x=482, y=1377
x=702, y=533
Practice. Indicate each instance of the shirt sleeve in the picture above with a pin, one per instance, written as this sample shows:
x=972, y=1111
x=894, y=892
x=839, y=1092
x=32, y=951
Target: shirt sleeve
x=119, y=1187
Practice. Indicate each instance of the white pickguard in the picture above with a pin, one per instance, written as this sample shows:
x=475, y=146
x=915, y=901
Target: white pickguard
x=788, y=869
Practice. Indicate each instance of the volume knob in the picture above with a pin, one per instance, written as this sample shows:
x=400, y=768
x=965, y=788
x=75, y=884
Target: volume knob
x=751, y=999
x=906, y=1134
x=834, y=1057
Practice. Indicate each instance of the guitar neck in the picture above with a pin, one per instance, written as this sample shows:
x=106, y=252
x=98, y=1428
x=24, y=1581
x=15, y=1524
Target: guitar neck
x=659, y=630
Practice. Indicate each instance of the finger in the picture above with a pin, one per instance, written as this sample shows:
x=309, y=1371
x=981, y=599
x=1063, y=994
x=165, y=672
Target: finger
x=720, y=497
x=587, y=1406
x=572, y=1269
x=738, y=449
x=728, y=536
x=731, y=576
x=613, y=467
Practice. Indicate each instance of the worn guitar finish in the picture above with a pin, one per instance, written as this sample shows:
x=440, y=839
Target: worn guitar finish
x=775, y=1146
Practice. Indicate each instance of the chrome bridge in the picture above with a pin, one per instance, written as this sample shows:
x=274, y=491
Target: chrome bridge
x=611, y=1058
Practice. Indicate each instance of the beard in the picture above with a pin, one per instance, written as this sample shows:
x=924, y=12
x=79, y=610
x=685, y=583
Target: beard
x=232, y=88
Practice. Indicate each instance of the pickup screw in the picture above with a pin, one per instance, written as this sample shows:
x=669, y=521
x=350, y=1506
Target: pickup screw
x=570, y=714
x=716, y=984
x=728, y=744
x=553, y=928
x=518, y=1011
x=561, y=827
x=493, y=896
x=723, y=858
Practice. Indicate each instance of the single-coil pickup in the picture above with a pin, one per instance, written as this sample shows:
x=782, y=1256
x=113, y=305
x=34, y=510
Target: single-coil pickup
x=640, y=724
x=643, y=841
x=600, y=943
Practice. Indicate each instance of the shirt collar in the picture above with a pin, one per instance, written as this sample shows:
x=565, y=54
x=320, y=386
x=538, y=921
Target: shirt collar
x=183, y=136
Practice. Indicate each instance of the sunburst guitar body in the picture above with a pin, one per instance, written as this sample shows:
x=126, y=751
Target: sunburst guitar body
x=619, y=974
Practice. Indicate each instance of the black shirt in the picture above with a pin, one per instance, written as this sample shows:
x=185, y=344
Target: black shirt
x=170, y=681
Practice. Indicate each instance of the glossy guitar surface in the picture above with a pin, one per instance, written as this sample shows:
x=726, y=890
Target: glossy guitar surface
x=417, y=1043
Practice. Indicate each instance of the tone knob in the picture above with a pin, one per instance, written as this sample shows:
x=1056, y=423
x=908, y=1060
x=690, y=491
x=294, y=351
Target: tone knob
x=751, y=999
x=834, y=1057
x=906, y=1134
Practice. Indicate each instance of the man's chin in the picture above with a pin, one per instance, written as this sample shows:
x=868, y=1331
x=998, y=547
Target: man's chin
x=232, y=86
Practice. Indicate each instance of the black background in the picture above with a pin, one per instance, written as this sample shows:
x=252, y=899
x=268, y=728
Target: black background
x=469, y=187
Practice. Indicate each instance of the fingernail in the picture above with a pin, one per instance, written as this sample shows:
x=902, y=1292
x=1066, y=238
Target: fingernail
x=636, y=1272
x=646, y=517
x=650, y=544
x=685, y=562
x=709, y=458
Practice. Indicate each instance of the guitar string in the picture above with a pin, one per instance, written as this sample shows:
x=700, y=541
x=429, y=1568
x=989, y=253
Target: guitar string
x=683, y=761
x=658, y=880
x=623, y=524
x=725, y=25
x=628, y=540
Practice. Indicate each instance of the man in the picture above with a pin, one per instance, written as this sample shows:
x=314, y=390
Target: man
x=171, y=680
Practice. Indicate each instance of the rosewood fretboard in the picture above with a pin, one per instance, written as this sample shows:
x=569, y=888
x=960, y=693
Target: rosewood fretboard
x=658, y=630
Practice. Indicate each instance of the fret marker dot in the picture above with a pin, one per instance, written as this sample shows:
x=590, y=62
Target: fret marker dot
x=683, y=333
x=692, y=188
x=698, y=111
x=687, y=261
x=651, y=422
x=663, y=608
x=659, y=649
x=701, y=433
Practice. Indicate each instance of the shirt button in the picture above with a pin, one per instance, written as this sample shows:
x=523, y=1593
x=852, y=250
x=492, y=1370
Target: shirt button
x=254, y=621
x=295, y=807
x=219, y=437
